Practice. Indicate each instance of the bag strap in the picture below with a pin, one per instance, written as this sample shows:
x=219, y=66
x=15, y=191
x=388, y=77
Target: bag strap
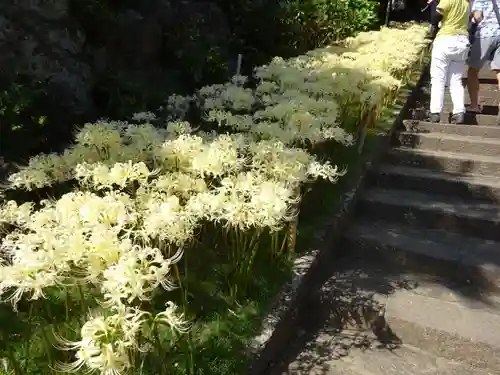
x=497, y=12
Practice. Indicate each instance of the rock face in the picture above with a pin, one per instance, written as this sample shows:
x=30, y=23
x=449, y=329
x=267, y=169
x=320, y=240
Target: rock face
x=134, y=41
x=124, y=50
x=41, y=40
x=202, y=30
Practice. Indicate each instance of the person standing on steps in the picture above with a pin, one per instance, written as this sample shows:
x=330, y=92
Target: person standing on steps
x=485, y=47
x=449, y=55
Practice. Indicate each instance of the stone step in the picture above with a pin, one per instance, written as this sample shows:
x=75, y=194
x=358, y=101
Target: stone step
x=428, y=294
x=487, y=94
x=465, y=186
x=487, y=108
x=472, y=119
x=472, y=218
x=444, y=161
x=488, y=118
x=467, y=264
x=441, y=316
x=447, y=128
x=489, y=105
x=485, y=72
x=357, y=330
x=450, y=143
x=484, y=80
x=486, y=86
x=486, y=90
x=447, y=329
x=406, y=360
x=482, y=119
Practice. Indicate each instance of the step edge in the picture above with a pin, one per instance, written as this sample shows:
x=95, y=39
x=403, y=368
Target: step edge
x=447, y=124
x=432, y=174
x=414, y=124
x=368, y=196
x=458, y=257
x=452, y=137
x=445, y=154
x=438, y=198
x=446, y=345
x=447, y=317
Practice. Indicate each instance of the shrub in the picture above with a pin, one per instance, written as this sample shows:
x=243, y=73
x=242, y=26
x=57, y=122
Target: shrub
x=320, y=22
x=29, y=118
x=263, y=29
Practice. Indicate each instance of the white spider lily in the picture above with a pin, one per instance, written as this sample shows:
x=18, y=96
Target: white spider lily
x=136, y=274
x=171, y=318
x=106, y=343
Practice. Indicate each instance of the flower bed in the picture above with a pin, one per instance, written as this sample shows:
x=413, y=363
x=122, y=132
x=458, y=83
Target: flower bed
x=150, y=249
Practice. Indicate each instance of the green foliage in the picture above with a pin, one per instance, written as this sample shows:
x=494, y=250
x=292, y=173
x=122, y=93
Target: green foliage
x=365, y=14
x=18, y=116
x=321, y=21
x=264, y=29
x=16, y=99
x=31, y=119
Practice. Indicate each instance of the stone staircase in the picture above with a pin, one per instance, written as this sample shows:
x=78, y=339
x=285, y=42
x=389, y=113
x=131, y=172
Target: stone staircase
x=417, y=290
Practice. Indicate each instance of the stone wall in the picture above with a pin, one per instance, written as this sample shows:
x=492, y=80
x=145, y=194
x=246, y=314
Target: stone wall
x=40, y=39
x=92, y=53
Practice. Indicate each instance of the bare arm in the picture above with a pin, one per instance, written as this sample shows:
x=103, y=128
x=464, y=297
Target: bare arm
x=477, y=9
x=477, y=16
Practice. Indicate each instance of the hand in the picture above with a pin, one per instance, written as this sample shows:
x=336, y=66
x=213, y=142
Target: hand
x=430, y=1
x=477, y=16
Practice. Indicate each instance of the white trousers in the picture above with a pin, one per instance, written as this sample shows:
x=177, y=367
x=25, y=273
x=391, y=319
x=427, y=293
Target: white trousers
x=449, y=53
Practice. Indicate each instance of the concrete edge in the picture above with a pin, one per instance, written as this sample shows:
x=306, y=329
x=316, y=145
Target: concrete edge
x=275, y=332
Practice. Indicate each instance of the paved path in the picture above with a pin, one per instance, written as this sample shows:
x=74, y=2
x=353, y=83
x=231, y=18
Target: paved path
x=417, y=290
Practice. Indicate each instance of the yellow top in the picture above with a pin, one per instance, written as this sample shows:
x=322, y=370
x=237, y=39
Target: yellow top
x=455, y=17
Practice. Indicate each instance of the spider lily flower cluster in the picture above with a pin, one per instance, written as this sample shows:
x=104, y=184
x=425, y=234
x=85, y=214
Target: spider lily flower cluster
x=127, y=223
x=306, y=100
x=143, y=193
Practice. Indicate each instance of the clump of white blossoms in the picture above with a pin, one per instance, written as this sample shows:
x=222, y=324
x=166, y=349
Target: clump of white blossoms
x=109, y=342
x=136, y=274
x=304, y=98
x=142, y=194
x=106, y=343
x=229, y=96
x=104, y=176
x=144, y=116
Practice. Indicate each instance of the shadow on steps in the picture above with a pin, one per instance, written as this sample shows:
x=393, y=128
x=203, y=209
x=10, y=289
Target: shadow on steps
x=346, y=309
